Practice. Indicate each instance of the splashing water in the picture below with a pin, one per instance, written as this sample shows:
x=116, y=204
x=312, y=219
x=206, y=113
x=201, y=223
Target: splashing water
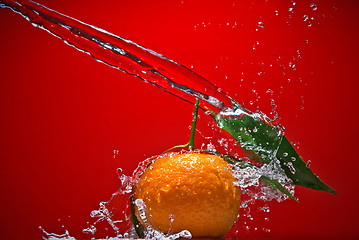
x=120, y=222
x=167, y=75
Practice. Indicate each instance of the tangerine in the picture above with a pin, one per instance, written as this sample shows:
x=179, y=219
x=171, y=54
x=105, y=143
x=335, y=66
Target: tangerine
x=189, y=191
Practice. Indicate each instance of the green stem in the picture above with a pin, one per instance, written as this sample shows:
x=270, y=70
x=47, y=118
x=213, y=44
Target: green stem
x=190, y=144
x=194, y=124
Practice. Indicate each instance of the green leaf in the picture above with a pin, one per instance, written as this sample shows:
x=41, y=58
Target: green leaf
x=263, y=143
x=138, y=226
x=274, y=184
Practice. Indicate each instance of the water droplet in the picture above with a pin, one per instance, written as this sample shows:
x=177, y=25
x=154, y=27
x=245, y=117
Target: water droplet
x=292, y=66
x=269, y=91
x=90, y=230
x=291, y=10
x=260, y=24
x=313, y=6
x=293, y=159
x=308, y=164
x=171, y=217
x=285, y=154
x=291, y=167
x=265, y=209
x=305, y=18
x=267, y=230
x=276, y=12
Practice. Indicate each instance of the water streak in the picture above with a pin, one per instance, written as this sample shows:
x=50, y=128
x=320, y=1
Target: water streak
x=180, y=81
x=122, y=54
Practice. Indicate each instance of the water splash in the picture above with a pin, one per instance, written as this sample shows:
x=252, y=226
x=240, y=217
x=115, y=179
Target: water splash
x=167, y=75
x=53, y=236
x=122, y=54
x=120, y=222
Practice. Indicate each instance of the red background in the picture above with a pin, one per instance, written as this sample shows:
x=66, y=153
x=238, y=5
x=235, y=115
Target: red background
x=63, y=113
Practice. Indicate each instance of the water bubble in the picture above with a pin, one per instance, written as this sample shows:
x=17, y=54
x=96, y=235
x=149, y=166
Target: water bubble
x=313, y=6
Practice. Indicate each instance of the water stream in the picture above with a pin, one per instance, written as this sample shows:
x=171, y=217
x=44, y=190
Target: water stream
x=122, y=54
x=182, y=82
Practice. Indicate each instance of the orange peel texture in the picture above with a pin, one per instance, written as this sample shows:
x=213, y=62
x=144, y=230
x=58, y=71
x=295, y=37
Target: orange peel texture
x=190, y=191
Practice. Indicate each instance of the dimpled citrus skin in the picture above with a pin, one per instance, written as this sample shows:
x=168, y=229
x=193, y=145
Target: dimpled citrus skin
x=196, y=190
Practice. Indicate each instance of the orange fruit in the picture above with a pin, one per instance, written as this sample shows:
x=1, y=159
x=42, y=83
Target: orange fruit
x=190, y=191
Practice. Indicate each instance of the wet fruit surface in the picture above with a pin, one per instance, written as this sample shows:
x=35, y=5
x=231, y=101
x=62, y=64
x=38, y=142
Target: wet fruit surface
x=191, y=191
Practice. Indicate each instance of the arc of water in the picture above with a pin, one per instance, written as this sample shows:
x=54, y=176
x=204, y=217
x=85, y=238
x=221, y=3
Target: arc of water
x=122, y=54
